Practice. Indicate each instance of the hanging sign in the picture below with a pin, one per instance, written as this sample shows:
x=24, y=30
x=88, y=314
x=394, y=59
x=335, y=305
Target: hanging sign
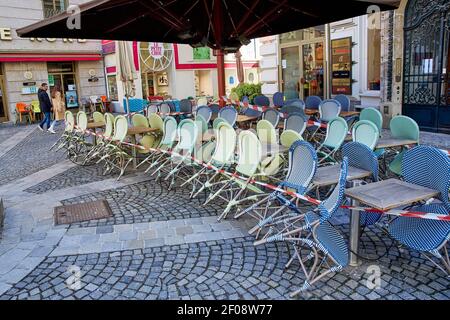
x=156, y=50
x=341, y=68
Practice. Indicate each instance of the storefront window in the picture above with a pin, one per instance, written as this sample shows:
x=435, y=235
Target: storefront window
x=62, y=75
x=304, y=34
x=290, y=70
x=373, y=51
x=112, y=88
x=53, y=7
x=312, y=81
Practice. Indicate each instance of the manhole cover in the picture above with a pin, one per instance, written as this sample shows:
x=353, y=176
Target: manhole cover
x=82, y=212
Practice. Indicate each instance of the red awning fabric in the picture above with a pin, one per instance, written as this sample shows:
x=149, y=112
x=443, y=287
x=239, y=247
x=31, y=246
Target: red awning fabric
x=44, y=57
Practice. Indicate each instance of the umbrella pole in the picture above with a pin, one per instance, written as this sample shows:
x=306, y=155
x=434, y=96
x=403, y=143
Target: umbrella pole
x=221, y=75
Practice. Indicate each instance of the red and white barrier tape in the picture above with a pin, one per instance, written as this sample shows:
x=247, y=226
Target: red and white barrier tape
x=399, y=213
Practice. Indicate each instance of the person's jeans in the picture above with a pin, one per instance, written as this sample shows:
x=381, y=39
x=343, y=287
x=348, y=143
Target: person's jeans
x=56, y=123
x=46, y=120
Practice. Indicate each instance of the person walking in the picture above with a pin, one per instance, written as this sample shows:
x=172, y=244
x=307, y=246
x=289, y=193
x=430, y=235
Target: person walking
x=46, y=106
x=59, y=107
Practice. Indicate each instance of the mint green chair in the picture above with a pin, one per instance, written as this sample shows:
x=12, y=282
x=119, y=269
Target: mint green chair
x=374, y=116
x=366, y=132
x=288, y=137
x=98, y=117
x=139, y=120
x=402, y=127
x=336, y=133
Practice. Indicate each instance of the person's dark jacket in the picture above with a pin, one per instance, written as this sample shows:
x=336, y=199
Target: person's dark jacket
x=44, y=101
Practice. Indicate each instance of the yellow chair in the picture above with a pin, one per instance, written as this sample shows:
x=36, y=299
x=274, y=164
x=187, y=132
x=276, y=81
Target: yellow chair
x=36, y=110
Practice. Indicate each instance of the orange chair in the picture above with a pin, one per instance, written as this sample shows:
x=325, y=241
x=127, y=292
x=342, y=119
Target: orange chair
x=23, y=110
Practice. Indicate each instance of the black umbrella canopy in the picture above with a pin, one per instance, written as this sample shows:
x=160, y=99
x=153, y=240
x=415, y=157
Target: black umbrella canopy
x=219, y=24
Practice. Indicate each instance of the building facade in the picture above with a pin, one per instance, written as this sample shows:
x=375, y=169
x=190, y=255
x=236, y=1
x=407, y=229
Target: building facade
x=178, y=71
x=76, y=65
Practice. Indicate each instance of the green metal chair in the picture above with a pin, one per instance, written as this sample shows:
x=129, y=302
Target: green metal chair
x=217, y=121
x=139, y=120
x=402, y=127
x=366, y=132
x=288, y=137
x=373, y=115
x=98, y=117
x=223, y=157
x=67, y=137
x=267, y=135
x=334, y=138
x=153, y=139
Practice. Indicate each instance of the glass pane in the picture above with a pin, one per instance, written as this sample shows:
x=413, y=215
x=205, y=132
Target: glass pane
x=54, y=67
x=53, y=7
x=303, y=34
x=290, y=66
x=313, y=67
x=112, y=88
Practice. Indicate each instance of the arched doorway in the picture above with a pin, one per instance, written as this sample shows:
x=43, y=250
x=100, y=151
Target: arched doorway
x=426, y=89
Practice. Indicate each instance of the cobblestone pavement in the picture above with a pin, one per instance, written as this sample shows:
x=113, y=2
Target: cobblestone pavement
x=76, y=176
x=8, y=130
x=29, y=156
x=144, y=202
x=222, y=269
x=161, y=245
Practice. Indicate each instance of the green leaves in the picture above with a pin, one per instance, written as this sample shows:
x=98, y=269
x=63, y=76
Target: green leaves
x=247, y=89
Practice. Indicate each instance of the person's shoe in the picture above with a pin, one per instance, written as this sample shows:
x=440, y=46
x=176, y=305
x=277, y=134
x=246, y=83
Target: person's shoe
x=51, y=131
x=40, y=128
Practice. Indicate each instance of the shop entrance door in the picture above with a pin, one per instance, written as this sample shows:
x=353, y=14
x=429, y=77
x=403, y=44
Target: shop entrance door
x=290, y=72
x=312, y=81
x=3, y=102
x=63, y=75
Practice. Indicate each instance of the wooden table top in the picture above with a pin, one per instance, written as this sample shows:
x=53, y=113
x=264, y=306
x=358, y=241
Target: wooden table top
x=329, y=175
x=311, y=112
x=389, y=194
x=244, y=118
x=139, y=130
x=393, y=142
x=94, y=125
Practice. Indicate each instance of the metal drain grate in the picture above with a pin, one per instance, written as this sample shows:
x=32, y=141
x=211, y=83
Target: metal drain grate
x=82, y=212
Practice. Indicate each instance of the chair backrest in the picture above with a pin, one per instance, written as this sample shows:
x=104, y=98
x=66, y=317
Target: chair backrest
x=205, y=112
x=266, y=132
x=120, y=128
x=170, y=131
x=252, y=113
x=82, y=120
x=299, y=103
x=109, y=125
x=287, y=109
x=215, y=108
x=302, y=166
x=188, y=135
x=344, y=101
x=185, y=105
x=361, y=156
x=296, y=122
x=313, y=102
x=35, y=106
x=156, y=122
x=278, y=99
x=372, y=115
x=272, y=115
x=229, y=114
x=201, y=123
x=428, y=167
x=288, y=137
x=249, y=153
x=403, y=127
x=202, y=101
x=139, y=120
x=226, y=144
x=262, y=101
x=366, y=132
x=69, y=121
x=216, y=122
x=164, y=108
x=330, y=205
x=21, y=107
x=336, y=133
x=172, y=106
x=329, y=109
x=98, y=117
x=153, y=108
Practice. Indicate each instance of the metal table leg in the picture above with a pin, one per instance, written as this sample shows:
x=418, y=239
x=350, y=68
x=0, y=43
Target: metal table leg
x=133, y=140
x=354, y=235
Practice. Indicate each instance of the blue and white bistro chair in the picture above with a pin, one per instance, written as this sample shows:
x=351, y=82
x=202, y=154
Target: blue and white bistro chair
x=229, y=114
x=427, y=167
x=273, y=116
x=205, y=112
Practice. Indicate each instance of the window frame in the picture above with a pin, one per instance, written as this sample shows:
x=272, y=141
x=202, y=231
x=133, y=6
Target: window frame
x=48, y=14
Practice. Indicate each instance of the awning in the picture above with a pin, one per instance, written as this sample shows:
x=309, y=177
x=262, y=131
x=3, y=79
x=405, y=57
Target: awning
x=44, y=57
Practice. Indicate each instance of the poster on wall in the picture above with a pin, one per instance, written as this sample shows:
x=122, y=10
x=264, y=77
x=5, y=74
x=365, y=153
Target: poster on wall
x=51, y=80
x=203, y=53
x=341, y=68
x=71, y=99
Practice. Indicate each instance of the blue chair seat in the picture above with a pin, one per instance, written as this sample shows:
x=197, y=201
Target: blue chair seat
x=421, y=234
x=333, y=242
